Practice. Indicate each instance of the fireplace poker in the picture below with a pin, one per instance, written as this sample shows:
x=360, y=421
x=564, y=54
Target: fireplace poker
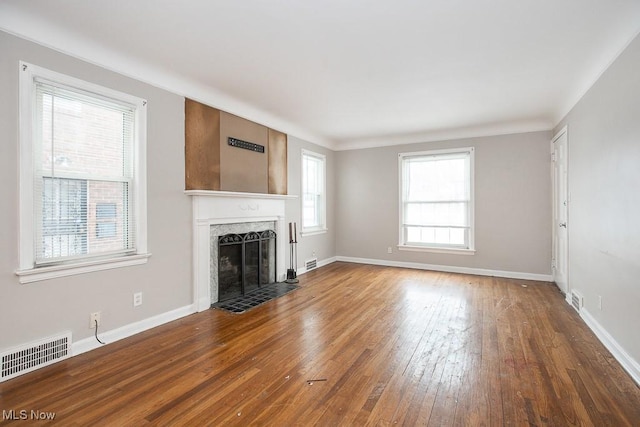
x=292, y=276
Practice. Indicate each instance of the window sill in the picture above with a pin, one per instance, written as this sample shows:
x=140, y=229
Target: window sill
x=436, y=250
x=314, y=232
x=55, y=271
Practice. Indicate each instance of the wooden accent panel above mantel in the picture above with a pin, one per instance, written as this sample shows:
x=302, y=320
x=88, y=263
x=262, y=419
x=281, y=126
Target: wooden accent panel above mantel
x=202, y=146
x=241, y=169
x=277, y=162
x=212, y=164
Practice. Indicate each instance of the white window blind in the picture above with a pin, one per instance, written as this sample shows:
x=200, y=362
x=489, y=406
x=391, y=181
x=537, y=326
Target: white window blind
x=437, y=199
x=313, y=191
x=83, y=148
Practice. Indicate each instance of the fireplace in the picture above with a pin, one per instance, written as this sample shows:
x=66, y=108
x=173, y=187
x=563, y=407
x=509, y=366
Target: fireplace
x=220, y=213
x=246, y=262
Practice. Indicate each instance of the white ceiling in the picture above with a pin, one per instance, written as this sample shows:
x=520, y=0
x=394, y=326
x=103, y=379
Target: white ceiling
x=351, y=73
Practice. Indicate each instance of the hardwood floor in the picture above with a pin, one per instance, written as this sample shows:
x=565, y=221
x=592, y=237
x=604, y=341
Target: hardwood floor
x=355, y=345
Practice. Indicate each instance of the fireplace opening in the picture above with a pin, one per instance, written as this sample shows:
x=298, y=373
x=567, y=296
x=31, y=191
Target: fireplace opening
x=246, y=262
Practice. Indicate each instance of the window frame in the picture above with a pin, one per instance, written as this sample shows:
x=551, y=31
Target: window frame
x=322, y=206
x=437, y=248
x=28, y=271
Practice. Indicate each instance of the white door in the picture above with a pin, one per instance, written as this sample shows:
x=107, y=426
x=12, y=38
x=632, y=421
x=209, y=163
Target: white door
x=559, y=151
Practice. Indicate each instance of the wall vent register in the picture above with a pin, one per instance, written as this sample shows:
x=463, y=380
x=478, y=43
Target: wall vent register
x=310, y=264
x=34, y=355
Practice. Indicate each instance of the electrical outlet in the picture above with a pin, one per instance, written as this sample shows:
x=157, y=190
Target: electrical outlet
x=389, y=250
x=137, y=299
x=93, y=318
x=600, y=302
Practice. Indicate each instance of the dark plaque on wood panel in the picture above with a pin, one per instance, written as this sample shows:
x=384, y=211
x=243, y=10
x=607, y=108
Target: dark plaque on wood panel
x=234, y=142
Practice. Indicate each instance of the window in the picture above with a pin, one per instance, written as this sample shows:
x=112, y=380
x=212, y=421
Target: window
x=436, y=200
x=313, y=193
x=82, y=183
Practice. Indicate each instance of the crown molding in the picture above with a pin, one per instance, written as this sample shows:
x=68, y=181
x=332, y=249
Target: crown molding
x=497, y=129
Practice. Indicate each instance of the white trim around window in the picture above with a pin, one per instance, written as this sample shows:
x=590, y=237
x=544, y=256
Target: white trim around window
x=134, y=199
x=313, y=193
x=436, y=201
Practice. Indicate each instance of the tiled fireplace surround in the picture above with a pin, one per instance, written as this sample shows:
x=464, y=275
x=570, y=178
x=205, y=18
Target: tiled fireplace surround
x=216, y=213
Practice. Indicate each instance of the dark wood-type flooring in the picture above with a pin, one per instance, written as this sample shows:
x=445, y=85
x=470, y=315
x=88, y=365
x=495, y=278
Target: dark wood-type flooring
x=355, y=345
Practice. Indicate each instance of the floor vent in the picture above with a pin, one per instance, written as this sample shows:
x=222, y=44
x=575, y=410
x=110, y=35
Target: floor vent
x=311, y=264
x=577, y=301
x=32, y=356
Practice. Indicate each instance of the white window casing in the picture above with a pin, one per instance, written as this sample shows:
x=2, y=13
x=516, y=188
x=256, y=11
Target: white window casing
x=436, y=201
x=313, y=193
x=82, y=181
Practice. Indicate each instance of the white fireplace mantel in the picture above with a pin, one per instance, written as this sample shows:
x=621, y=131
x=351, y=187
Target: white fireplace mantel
x=235, y=194
x=224, y=207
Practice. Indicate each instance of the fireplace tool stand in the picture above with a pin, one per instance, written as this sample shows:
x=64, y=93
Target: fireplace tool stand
x=292, y=275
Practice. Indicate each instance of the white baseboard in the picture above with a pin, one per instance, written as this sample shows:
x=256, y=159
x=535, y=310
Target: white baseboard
x=88, y=344
x=628, y=363
x=450, y=269
x=322, y=263
x=202, y=305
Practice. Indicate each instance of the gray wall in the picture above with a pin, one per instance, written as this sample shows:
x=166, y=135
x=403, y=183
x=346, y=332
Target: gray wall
x=512, y=204
x=321, y=246
x=603, y=132
x=36, y=310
